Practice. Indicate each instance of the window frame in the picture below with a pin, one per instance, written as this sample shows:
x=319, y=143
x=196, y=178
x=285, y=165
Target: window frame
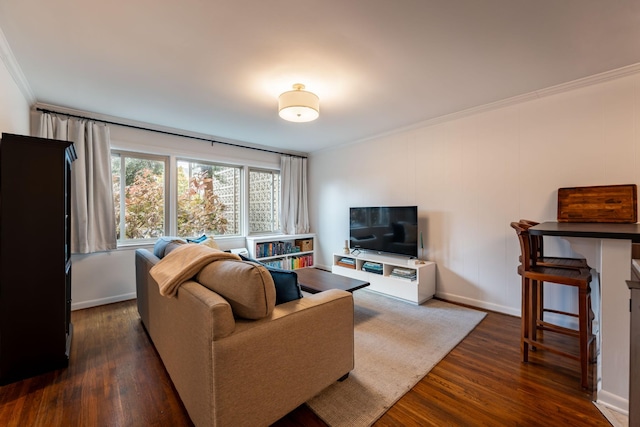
x=243, y=211
x=124, y=154
x=248, y=187
x=170, y=160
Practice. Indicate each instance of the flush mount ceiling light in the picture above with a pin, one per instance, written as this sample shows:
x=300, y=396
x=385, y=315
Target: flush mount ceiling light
x=298, y=105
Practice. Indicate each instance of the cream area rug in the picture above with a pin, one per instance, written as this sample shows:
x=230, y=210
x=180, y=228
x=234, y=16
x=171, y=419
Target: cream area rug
x=396, y=345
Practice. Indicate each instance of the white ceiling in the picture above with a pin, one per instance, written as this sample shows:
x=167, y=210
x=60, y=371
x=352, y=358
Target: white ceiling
x=216, y=67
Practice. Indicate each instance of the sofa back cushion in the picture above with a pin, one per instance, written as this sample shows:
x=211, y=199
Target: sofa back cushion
x=247, y=287
x=166, y=244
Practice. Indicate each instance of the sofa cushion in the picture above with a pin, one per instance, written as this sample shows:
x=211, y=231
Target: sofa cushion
x=247, y=287
x=166, y=244
x=286, y=282
x=204, y=240
x=209, y=241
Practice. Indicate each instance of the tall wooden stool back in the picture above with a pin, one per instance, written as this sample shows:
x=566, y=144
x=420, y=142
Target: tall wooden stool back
x=532, y=275
x=537, y=243
x=537, y=247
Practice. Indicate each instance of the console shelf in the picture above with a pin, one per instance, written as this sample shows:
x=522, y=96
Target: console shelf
x=287, y=251
x=394, y=276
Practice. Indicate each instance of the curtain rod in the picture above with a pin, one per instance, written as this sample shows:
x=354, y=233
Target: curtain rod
x=212, y=141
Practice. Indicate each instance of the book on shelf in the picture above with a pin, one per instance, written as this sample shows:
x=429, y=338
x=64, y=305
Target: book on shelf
x=346, y=265
x=301, y=261
x=277, y=263
x=372, y=267
x=290, y=263
x=268, y=249
x=404, y=273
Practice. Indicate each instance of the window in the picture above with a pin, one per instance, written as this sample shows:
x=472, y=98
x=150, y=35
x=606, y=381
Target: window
x=264, y=192
x=208, y=199
x=140, y=181
x=205, y=198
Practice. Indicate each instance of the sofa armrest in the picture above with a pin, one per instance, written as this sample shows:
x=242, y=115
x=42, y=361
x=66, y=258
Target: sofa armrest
x=268, y=367
x=215, y=309
x=144, y=261
x=182, y=330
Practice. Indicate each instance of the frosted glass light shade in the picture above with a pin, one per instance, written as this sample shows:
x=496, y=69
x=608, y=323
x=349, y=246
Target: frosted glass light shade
x=298, y=105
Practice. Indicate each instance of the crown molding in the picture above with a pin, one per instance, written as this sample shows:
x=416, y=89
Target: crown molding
x=541, y=93
x=6, y=55
x=590, y=80
x=519, y=99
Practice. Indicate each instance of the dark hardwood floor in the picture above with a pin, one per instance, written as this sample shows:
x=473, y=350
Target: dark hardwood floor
x=115, y=378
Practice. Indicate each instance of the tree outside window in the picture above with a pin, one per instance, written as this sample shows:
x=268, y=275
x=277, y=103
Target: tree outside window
x=142, y=215
x=208, y=199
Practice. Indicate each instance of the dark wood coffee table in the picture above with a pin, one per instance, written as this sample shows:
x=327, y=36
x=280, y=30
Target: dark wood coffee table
x=314, y=280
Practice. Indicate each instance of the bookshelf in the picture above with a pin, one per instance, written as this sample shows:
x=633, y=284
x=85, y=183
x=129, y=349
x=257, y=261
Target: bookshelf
x=286, y=251
x=389, y=275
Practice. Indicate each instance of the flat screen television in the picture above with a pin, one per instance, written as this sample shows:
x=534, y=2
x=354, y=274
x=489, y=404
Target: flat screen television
x=390, y=229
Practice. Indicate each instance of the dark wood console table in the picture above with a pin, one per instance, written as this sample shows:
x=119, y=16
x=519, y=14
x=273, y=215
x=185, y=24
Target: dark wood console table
x=613, y=262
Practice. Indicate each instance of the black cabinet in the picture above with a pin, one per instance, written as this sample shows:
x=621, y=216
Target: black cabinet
x=35, y=255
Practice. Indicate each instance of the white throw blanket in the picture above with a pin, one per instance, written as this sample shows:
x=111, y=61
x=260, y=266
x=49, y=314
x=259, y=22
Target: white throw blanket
x=183, y=263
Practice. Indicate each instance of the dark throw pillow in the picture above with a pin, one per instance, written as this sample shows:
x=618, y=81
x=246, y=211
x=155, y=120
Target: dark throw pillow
x=286, y=281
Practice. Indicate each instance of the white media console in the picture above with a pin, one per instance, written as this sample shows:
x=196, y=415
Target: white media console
x=387, y=274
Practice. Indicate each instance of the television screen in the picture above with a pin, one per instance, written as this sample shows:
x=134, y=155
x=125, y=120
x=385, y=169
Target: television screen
x=392, y=229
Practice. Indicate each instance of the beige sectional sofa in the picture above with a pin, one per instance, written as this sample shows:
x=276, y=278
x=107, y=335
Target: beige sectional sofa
x=232, y=371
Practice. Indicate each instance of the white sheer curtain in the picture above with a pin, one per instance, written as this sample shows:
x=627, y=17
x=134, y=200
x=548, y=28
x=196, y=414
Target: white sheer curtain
x=294, y=211
x=92, y=208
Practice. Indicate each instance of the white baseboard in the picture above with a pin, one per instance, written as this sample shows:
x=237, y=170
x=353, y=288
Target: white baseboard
x=102, y=301
x=477, y=303
x=613, y=402
x=558, y=319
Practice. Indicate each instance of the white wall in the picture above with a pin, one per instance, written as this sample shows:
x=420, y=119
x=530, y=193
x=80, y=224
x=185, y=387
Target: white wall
x=472, y=176
x=107, y=277
x=14, y=108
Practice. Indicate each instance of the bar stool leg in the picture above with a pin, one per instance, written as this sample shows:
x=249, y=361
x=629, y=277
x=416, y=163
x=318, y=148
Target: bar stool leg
x=592, y=340
x=584, y=321
x=524, y=328
x=540, y=297
x=532, y=317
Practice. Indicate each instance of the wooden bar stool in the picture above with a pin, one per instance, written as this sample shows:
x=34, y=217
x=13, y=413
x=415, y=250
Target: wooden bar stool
x=537, y=248
x=532, y=275
x=545, y=261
